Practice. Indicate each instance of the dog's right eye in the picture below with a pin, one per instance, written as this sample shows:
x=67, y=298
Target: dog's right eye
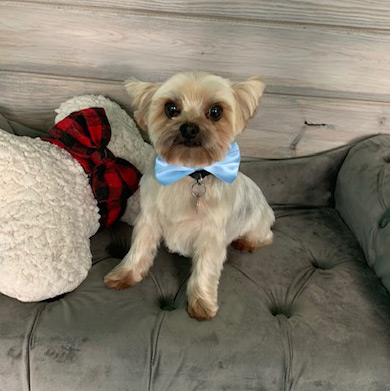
x=171, y=110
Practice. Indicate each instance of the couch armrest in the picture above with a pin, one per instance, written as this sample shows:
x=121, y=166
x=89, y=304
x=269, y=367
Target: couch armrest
x=19, y=129
x=362, y=198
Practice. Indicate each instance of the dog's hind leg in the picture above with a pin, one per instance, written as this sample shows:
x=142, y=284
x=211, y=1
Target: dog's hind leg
x=247, y=243
x=259, y=236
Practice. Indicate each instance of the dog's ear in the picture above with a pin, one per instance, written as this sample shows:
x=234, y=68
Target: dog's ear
x=141, y=94
x=247, y=94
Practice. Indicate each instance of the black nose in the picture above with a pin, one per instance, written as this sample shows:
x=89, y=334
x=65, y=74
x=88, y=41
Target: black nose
x=189, y=130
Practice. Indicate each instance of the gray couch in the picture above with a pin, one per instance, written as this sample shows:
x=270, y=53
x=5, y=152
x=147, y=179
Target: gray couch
x=311, y=312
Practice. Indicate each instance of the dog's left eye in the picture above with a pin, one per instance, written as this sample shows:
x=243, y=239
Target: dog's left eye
x=215, y=113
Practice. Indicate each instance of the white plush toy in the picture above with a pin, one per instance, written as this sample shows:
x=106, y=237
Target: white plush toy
x=47, y=208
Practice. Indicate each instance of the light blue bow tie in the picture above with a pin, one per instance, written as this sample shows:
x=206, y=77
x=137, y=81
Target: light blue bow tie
x=226, y=169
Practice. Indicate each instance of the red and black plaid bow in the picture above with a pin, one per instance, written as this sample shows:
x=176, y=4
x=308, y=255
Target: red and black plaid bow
x=85, y=134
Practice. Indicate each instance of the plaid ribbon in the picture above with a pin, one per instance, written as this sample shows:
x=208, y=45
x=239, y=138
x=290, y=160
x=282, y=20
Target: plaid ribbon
x=85, y=134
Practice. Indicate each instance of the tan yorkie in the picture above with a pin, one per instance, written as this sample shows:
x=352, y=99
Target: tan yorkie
x=193, y=196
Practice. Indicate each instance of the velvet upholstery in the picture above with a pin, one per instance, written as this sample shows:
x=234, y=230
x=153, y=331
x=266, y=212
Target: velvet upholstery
x=363, y=185
x=306, y=313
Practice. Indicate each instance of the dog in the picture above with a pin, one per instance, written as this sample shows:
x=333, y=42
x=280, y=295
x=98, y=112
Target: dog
x=192, y=121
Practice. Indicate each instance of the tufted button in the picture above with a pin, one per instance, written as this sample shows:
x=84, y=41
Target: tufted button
x=280, y=311
x=168, y=305
x=385, y=220
x=387, y=159
x=316, y=265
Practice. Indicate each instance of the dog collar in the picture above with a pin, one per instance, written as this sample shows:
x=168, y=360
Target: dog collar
x=225, y=169
x=200, y=174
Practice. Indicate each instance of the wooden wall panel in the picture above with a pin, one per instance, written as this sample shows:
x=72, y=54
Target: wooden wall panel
x=355, y=13
x=326, y=63
x=284, y=125
x=101, y=43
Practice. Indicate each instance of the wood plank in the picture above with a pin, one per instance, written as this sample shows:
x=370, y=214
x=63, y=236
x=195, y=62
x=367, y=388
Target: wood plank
x=104, y=44
x=354, y=13
x=313, y=124
x=32, y=98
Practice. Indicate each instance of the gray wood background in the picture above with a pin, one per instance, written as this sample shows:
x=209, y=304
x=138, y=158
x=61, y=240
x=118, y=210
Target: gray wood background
x=326, y=64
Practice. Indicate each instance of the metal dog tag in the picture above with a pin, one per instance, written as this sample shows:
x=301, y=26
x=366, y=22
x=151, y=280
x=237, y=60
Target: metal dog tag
x=198, y=189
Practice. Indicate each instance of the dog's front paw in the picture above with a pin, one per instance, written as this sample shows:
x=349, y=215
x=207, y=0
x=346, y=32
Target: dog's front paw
x=121, y=278
x=202, y=310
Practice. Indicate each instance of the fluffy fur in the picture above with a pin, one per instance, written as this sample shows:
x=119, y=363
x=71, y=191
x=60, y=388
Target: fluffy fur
x=235, y=213
x=48, y=212
x=47, y=216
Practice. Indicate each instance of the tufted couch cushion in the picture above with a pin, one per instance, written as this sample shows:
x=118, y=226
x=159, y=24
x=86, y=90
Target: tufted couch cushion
x=305, y=314
x=305, y=181
x=363, y=200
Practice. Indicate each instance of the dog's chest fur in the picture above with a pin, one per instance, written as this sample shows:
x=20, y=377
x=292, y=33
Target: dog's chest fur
x=181, y=221
x=225, y=211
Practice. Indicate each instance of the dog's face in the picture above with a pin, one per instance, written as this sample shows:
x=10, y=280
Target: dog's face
x=194, y=117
